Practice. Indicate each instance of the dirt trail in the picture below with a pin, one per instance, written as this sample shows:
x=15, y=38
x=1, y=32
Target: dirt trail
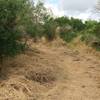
x=75, y=76
x=83, y=76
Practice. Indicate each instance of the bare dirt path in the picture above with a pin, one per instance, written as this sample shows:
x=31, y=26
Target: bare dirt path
x=67, y=75
x=82, y=80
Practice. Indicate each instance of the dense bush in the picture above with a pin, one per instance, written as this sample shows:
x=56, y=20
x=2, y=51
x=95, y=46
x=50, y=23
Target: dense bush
x=50, y=29
x=11, y=15
x=88, y=38
x=91, y=34
x=63, y=21
x=68, y=36
x=77, y=24
x=96, y=30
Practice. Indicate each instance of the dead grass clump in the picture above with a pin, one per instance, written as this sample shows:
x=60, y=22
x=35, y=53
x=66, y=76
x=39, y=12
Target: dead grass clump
x=41, y=77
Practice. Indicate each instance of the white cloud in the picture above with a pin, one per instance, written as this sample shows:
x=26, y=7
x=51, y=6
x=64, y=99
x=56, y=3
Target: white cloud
x=79, y=5
x=82, y=9
x=55, y=9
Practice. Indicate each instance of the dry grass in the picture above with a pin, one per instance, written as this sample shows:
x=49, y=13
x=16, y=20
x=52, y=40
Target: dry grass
x=52, y=72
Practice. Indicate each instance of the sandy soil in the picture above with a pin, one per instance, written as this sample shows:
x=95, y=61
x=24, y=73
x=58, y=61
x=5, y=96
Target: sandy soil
x=51, y=72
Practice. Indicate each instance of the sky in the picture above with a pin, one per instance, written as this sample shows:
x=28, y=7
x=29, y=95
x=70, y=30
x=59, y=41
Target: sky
x=83, y=9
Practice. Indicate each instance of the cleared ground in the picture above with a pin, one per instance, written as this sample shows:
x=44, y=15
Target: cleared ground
x=51, y=72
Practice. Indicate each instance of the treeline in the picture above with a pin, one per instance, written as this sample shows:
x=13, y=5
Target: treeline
x=22, y=18
x=18, y=19
x=88, y=31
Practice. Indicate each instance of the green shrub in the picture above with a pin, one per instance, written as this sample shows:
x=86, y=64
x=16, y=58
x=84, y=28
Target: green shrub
x=50, y=29
x=68, y=36
x=10, y=16
x=91, y=39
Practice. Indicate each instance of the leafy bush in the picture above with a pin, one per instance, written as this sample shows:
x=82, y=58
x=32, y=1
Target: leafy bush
x=50, y=29
x=96, y=30
x=63, y=21
x=68, y=36
x=10, y=16
x=91, y=39
x=77, y=24
x=88, y=38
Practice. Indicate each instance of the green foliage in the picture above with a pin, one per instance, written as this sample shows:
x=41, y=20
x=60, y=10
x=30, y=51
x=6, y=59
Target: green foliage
x=96, y=30
x=62, y=21
x=91, y=34
x=18, y=18
x=87, y=37
x=10, y=34
x=68, y=36
x=89, y=31
x=90, y=24
x=38, y=17
x=70, y=27
x=77, y=24
x=50, y=29
x=91, y=40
